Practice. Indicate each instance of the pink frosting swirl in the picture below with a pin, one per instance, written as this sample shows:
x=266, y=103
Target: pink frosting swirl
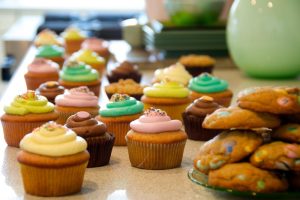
x=77, y=97
x=155, y=121
x=42, y=65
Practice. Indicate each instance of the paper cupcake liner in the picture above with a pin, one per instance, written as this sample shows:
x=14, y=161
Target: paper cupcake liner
x=155, y=156
x=15, y=131
x=72, y=46
x=195, y=131
x=196, y=71
x=100, y=150
x=52, y=181
x=119, y=129
x=64, y=115
x=59, y=60
x=174, y=111
x=33, y=83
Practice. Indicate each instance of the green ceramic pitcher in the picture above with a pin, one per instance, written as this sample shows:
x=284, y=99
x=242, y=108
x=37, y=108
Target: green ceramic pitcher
x=264, y=37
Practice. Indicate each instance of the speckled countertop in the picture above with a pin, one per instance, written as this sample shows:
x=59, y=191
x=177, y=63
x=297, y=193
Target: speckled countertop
x=119, y=180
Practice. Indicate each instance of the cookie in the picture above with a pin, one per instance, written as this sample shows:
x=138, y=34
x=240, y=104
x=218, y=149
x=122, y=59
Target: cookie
x=276, y=100
x=227, y=147
x=238, y=118
x=246, y=177
x=277, y=155
x=288, y=132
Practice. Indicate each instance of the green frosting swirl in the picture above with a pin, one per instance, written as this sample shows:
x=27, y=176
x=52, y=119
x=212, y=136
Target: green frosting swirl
x=120, y=108
x=29, y=103
x=78, y=72
x=48, y=51
x=206, y=83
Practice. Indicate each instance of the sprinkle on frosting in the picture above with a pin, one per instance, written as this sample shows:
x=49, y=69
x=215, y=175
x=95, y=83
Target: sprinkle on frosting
x=77, y=97
x=28, y=103
x=155, y=121
x=54, y=140
x=120, y=105
x=206, y=83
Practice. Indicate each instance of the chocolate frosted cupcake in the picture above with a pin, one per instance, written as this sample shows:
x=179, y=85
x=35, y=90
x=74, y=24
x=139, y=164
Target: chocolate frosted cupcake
x=99, y=141
x=194, y=116
x=50, y=89
x=125, y=70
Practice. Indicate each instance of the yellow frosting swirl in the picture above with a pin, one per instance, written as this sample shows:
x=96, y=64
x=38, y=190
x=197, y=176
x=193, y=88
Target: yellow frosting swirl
x=73, y=33
x=54, y=140
x=176, y=72
x=167, y=90
x=87, y=56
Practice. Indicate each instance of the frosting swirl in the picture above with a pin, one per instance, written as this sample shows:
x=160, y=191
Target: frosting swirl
x=120, y=105
x=167, y=90
x=42, y=65
x=73, y=33
x=97, y=45
x=175, y=72
x=206, y=83
x=49, y=51
x=78, y=72
x=53, y=140
x=155, y=121
x=50, y=89
x=47, y=37
x=202, y=107
x=125, y=68
x=77, y=97
x=85, y=126
x=29, y=103
x=87, y=56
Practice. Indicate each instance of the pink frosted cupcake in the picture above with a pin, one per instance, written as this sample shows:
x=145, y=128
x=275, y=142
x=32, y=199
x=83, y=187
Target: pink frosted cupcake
x=40, y=71
x=75, y=100
x=155, y=141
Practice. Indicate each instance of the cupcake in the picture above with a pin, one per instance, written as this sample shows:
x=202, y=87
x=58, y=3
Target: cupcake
x=175, y=72
x=118, y=113
x=52, y=160
x=127, y=86
x=194, y=115
x=40, y=71
x=90, y=58
x=124, y=70
x=208, y=85
x=47, y=37
x=155, y=141
x=100, y=142
x=97, y=45
x=75, y=100
x=50, y=90
x=26, y=112
x=75, y=74
x=171, y=97
x=51, y=52
x=73, y=38
x=197, y=64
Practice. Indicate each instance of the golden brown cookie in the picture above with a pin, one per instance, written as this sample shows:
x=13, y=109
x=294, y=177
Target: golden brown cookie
x=288, y=132
x=227, y=147
x=238, y=118
x=277, y=155
x=277, y=100
x=246, y=177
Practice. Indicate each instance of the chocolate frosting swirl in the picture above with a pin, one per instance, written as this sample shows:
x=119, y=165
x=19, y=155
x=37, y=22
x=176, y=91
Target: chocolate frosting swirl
x=202, y=107
x=50, y=89
x=125, y=68
x=85, y=126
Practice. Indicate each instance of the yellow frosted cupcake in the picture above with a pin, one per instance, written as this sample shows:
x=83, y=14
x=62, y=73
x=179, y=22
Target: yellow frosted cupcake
x=90, y=58
x=73, y=38
x=52, y=160
x=171, y=97
x=175, y=73
x=25, y=112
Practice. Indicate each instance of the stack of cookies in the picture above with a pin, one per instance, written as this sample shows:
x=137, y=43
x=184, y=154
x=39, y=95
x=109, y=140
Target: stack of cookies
x=259, y=149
